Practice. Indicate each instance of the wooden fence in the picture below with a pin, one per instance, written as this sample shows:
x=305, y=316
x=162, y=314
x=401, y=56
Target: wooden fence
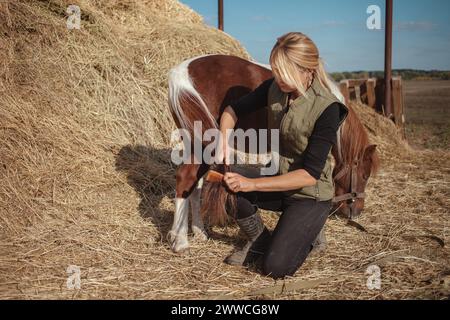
x=371, y=92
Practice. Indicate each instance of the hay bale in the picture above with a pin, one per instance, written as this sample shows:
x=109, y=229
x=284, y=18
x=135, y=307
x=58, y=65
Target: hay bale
x=85, y=171
x=382, y=132
x=71, y=98
x=83, y=112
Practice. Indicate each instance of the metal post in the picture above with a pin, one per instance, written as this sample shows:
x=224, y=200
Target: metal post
x=388, y=60
x=220, y=15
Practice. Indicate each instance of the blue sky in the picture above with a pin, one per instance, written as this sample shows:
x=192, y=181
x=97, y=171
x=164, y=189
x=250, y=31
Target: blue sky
x=421, y=38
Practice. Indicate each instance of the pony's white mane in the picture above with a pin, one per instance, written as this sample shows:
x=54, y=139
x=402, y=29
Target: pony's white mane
x=337, y=93
x=340, y=133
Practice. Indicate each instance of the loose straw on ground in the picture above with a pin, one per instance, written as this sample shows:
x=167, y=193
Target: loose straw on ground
x=86, y=178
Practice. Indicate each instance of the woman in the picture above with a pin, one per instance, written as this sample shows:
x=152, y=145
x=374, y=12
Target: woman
x=300, y=104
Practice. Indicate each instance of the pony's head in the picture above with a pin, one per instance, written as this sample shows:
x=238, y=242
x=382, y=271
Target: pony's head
x=356, y=161
x=351, y=181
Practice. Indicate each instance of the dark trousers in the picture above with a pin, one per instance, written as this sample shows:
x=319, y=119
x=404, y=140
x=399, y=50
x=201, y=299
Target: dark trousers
x=300, y=222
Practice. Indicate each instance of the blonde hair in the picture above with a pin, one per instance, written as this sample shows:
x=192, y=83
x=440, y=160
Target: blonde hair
x=296, y=52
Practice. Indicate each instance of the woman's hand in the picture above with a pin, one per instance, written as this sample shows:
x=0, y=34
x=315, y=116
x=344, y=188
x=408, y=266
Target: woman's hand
x=237, y=183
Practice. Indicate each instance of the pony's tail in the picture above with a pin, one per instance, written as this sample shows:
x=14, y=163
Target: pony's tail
x=218, y=204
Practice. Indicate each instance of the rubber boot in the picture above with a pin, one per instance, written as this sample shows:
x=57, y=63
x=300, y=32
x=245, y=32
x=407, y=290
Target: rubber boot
x=258, y=239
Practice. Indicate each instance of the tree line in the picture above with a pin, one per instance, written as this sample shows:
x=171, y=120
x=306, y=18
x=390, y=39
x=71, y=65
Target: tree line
x=406, y=74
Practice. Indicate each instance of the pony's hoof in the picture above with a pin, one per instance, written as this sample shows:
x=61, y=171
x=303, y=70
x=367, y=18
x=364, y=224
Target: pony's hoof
x=181, y=248
x=200, y=234
x=178, y=243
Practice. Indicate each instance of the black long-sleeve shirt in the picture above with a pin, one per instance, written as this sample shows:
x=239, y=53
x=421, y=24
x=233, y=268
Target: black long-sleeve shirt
x=323, y=136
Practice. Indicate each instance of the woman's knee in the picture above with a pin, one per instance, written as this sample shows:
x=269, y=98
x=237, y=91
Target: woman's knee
x=275, y=267
x=274, y=270
x=278, y=267
x=245, y=207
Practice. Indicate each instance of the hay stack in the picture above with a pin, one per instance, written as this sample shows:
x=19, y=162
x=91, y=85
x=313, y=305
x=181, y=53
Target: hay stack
x=85, y=172
x=82, y=111
x=72, y=99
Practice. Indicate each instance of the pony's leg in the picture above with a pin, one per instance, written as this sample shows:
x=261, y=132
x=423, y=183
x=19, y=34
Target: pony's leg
x=187, y=177
x=198, y=228
x=177, y=236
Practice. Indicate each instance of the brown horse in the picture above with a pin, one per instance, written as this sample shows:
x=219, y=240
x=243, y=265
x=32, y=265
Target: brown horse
x=199, y=90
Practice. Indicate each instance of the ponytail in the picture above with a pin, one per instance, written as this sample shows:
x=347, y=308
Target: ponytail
x=327, y=82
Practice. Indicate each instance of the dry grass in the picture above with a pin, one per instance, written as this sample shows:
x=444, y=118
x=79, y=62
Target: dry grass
x=86, y=177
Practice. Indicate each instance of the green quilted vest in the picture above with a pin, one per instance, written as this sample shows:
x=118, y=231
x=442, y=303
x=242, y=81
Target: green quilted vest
x=296, y=124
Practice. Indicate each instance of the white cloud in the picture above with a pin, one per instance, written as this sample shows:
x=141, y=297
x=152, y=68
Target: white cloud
x=333, y=23
x=415, y=25
x=261, y=18
x=210, y=19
